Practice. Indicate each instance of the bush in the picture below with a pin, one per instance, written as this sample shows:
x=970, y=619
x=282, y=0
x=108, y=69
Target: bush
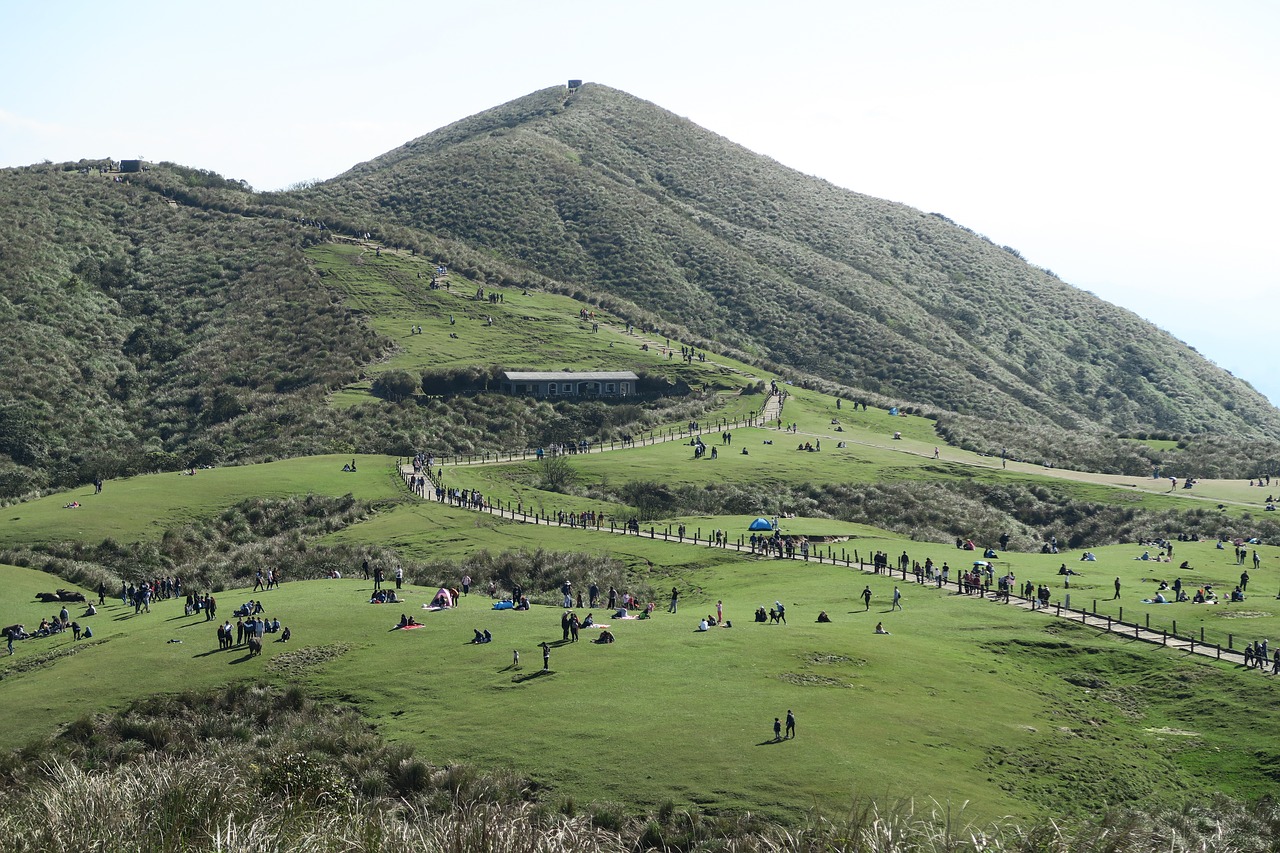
x=395, y=385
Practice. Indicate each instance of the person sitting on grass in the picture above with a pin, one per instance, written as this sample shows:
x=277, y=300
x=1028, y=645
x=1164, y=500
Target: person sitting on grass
x=823, y=617
x=285, y=635
x=880, y=628
x=703, y=626
x=589, y=621
x=606, y=636
x=406, y=621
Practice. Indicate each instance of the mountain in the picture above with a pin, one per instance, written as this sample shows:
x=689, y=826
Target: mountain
x=602, y=190
x=173, y=318
x=145, y=334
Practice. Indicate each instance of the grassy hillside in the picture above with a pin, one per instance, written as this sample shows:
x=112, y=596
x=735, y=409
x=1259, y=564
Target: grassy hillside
x=602, y=190
x=143, y=333
x=1015, y=712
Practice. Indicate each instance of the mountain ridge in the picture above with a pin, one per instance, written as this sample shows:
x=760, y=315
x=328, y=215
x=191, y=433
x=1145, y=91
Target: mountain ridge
x=915, y=281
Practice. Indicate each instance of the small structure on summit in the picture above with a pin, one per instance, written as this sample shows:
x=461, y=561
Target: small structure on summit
x=569, y=383
x=575, y=84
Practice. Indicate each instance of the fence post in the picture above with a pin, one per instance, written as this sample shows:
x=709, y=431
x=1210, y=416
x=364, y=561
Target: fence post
x=1231, y=641
x=1095, y=607
x=1148, y=620
x=1122, y=614
x=1175, y=627
x=1164, y=637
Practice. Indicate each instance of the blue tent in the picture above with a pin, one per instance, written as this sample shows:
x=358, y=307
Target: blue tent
x=760, y=524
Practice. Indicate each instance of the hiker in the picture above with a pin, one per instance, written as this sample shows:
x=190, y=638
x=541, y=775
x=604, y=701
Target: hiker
x=791, y=724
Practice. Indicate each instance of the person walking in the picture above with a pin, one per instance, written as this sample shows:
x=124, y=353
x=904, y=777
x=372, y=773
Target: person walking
x=866, y=598
x=791, y=724
x=378, y=578
x=1117, y=595
x=897, y=600
x=546, y=656
x=777, y=729
x=399, y=576
x=1244, y=581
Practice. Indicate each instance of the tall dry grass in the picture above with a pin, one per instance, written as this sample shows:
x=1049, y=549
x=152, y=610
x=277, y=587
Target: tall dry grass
x=166, y=804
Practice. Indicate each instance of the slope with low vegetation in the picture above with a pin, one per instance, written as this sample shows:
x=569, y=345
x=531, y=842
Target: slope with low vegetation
x=603, y=190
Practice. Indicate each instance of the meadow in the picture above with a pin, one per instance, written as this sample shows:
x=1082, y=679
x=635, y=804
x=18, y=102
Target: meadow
x=964, y=701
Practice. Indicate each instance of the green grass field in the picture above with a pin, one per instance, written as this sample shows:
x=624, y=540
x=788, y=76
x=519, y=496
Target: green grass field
x=964, y=701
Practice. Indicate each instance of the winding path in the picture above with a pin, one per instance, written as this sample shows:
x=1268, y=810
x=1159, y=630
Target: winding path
x=1130, y=630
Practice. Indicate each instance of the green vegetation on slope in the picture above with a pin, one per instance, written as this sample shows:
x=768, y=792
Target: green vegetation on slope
x=600, y=190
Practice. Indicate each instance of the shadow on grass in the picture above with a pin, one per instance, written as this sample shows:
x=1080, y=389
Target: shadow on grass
x=772, y=741
x=520, y=679
x=213, y=652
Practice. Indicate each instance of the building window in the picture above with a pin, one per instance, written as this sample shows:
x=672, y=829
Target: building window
x=567, y=388
x=609, y=388
x=551, y=388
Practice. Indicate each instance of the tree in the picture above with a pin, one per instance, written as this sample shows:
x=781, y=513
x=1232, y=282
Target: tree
x=556, y=474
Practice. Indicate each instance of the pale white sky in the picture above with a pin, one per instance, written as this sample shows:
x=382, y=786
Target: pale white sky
x=1128, y=145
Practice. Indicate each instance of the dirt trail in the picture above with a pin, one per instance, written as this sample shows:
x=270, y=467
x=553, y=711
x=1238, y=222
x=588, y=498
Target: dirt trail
x=1053, y=611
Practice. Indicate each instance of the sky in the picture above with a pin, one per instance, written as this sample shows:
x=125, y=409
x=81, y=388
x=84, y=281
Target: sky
x=1129, y=146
